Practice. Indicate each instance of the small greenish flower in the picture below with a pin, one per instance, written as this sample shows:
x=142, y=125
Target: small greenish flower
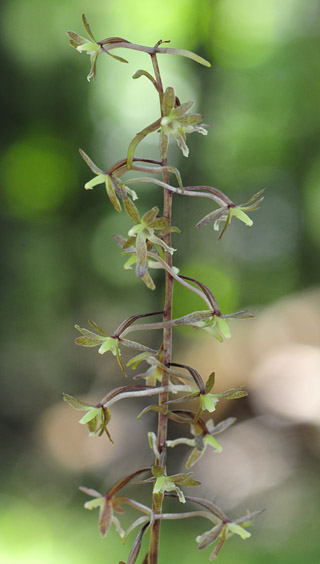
x=154, y=373
x=91, y=47
x=177, y=122
x=163, y=483
x=142, y=234
x=217, y=324
x=226, y=213
x=224, y=530
x=114, y=188
x=101, y=339
x=204, y=436
x=96, y=418
x=109, y=504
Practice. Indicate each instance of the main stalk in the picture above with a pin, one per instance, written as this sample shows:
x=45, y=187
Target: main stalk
x=167, y=334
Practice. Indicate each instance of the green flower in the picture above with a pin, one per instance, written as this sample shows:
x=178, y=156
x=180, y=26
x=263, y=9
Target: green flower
x=204, y=436
x=81, y=44
x=226, y=213
x=217, y=324
x=224, y=530
x=101, y=339
x=142, y=235
x=154, y=373
x=93, y=47
x=96, y=418
x=114, y=188
x=163, y=483
x=109, y=504
x=177, y=122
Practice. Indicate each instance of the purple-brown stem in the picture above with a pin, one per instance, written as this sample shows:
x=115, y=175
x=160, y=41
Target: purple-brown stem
x=167, y=334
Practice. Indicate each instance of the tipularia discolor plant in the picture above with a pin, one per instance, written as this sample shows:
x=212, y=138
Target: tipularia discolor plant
x=167, y=384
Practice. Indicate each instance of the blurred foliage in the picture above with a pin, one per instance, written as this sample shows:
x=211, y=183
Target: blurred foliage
x=59, y=263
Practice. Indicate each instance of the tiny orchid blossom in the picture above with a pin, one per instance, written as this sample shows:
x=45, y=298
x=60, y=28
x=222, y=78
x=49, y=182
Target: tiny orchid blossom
x=224, y=530
x=227, y=212
x=114, y=188
x=177, y=122
x=143, y=232
x=96, y=418
x=204, y=435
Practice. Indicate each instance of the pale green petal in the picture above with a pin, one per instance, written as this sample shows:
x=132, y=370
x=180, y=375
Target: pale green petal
x=96, y=180
x=92, y=413
x=212, y=441
x=208, y=402
x=223, y=326
x=237, y=212
x=107, y=346
x=243, y=533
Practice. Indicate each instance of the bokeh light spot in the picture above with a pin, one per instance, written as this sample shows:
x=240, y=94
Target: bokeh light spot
x=37, y=176
x=246, y=33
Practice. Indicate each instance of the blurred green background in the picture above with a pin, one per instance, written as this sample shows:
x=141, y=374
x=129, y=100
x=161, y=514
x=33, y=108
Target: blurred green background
x=60, y=266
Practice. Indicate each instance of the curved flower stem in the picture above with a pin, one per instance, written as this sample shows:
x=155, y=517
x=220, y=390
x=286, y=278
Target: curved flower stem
x=153, y=51
x=161, y=324
x=178, y=278
x=188, y=515
x=198, y=191
x=148, y=392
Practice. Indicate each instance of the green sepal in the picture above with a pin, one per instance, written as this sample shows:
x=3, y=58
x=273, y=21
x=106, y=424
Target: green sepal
x=182, y=109
x=87, y=27
x=233, y=393
x=75, y=403
x=169, y=100
x=112, y=194
x=157, y=499
x=131, y=210
x=148, y=281
x=92, y=413
x=194, y=456
x=212, y=441
x=238, y=530
x=210, y=382
x=97, y=328
x=150, y=215
x=87, y=342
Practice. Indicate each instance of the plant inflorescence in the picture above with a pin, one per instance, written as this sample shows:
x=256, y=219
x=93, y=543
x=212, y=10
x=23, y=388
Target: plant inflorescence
x=148, y=246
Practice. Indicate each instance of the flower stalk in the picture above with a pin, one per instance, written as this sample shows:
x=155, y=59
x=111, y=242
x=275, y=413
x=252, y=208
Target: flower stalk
x=148, y=246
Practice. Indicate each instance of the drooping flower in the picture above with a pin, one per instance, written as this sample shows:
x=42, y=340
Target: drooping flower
x=224, y=530
x=109, y=504
x=176, y=121
x=96, y=418
x=226, y=213
x=163, y=483
x=93, y=47
x=114, y=188
x=204, y=435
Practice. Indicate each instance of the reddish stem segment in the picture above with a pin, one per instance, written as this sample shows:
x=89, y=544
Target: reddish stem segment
x=167, y=334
